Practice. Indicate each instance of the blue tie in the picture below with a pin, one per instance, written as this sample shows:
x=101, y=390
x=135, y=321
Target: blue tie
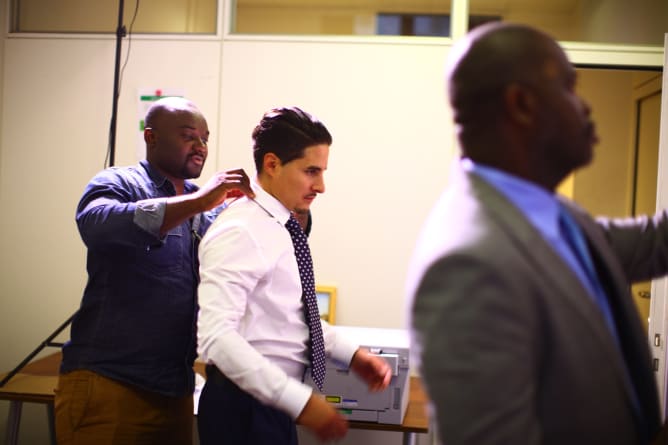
x=572, y=234
x=311, y=313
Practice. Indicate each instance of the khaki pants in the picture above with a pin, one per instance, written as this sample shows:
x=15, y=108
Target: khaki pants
x=95, y=410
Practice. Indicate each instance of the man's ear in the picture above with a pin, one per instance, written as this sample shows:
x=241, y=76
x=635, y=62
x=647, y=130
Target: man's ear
x=270, y=163
x=520, y=103
x=149, y=135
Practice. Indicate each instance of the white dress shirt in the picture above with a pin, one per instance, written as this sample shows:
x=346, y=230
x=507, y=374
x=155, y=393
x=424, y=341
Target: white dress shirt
x=251, y=321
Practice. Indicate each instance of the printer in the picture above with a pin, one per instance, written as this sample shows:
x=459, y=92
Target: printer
x=350, y=394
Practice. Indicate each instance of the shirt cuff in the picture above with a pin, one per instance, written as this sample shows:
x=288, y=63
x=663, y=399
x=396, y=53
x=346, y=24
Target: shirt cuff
x=343, y=349
x=150, y=214
x=294, y=398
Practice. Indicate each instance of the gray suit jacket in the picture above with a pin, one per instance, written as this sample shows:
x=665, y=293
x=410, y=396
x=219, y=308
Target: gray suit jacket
x=511, y=348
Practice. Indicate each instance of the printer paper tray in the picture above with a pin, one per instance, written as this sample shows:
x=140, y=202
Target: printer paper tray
x=361, y=415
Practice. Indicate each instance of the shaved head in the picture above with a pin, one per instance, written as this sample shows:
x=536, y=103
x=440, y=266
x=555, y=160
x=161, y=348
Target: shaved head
x=512, y=91
x=488, y=59
x=166, y=106
x=176, y=135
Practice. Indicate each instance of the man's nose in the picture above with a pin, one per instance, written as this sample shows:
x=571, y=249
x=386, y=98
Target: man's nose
x=201, y=143
x=319, y=186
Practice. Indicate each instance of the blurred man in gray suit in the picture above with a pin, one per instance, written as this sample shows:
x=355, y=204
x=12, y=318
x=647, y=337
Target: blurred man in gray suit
x=522, y=323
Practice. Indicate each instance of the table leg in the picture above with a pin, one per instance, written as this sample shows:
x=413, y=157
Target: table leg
x=52, y=422
x=409, y=438
x=13, y=422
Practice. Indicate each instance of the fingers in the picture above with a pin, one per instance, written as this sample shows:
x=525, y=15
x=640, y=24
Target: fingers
x=236, y=183
x=235, y=193
x=335, y=429
x=323, y=420
x=239, y=171
x=383, y=382
x=380, y=379
x=374, y=370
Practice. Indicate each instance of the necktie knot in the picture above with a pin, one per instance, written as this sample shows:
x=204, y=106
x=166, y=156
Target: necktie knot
x=295, y=229
x=311, y=313
x=575, y=240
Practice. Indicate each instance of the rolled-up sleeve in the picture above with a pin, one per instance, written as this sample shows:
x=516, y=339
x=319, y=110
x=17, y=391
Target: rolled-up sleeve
x=150, y=214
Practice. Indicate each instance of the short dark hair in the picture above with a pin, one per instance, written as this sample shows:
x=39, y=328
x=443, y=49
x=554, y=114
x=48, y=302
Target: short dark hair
x=286, y=132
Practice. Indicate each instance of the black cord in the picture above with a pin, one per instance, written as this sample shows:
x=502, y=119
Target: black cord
x=127, y=56
x=120, y=82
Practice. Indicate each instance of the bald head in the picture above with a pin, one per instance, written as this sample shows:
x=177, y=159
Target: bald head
x=176, y=136
x=486, y=61
x=512, y=91
x=168, y=106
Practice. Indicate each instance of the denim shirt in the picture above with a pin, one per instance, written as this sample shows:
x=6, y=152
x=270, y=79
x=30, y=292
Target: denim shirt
x=137, y=319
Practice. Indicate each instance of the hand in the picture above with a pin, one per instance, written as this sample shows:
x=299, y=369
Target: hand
x=373, y=369
x=323, y=420
x=223, y=185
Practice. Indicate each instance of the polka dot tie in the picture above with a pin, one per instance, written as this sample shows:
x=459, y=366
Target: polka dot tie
x=311, y=313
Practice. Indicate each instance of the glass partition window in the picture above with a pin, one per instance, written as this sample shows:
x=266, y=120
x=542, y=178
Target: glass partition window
x=101, y=16
x=641, y=22
x=338, y=17
x=413, y=24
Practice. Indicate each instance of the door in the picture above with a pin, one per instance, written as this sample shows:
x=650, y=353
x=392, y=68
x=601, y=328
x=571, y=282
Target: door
x=648, y=107
x=658, y=314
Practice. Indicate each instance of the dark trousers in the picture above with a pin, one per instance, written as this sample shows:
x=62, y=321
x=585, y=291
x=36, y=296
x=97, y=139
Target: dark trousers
x=229, y=416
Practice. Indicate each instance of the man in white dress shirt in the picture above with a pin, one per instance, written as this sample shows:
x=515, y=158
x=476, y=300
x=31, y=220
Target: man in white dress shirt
x=252, y=331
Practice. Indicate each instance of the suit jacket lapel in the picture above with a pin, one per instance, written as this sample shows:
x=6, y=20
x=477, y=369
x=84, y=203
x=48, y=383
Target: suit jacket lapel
x=558, y=276
x=632, y=337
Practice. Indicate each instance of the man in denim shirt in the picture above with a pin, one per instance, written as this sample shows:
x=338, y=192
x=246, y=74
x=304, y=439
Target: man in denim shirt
x=126, y=375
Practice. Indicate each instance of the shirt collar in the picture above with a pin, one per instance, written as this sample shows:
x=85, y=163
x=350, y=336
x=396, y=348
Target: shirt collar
x=159, y=180
x=270, y=204
x=153, y=173
x=539, y=206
